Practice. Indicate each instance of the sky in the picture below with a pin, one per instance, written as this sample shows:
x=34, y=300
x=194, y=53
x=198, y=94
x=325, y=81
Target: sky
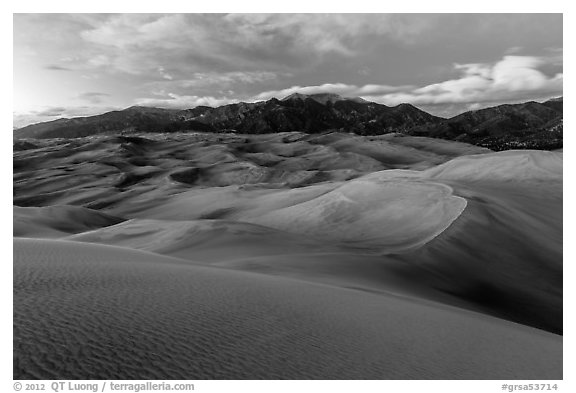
x=68, y=65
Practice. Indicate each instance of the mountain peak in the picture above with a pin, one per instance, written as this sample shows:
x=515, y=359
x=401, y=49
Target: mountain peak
x=136, y=108
x=322, y=98
x=148, y=109
x=295, y=96
x=557, y=99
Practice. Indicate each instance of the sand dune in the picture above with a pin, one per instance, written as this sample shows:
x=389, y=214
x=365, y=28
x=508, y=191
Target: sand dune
x=91, y=311
x=376, y=257
x=389, y=216
x=201, y=241
x=58, y=221
x=516, y=166
x=369, y=216
x=108, y=172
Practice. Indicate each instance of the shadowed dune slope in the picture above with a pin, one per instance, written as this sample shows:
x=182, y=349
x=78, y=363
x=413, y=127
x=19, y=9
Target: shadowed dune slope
x=58, y=221
x=289, y=256
x=122, y=175
x=502, y=255
x=201, y=240
x=91, y=311
x=363, y=215
x=482, y=232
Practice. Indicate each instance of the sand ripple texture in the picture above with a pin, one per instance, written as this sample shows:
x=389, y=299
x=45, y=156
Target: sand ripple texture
x=224, y=256
x=92, y=311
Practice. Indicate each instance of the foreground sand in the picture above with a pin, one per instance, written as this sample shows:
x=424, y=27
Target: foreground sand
x=286, y=256
x=92, y=311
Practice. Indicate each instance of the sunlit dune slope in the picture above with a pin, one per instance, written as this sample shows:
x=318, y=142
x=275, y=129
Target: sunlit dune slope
x=482, y=231
x=386, y=216
x=122, y=175
x=518, y=166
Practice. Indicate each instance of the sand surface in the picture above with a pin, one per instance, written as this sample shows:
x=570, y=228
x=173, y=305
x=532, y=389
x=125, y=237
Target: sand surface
x=93, y=311
x=286, y=256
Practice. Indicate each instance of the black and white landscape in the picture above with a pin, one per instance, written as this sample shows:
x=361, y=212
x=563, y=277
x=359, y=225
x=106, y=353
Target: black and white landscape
x=319, y=234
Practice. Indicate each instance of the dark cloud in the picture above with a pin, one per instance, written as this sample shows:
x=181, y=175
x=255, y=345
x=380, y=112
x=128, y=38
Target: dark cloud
x=179, y=60
x=141, y=43
x=55, y=67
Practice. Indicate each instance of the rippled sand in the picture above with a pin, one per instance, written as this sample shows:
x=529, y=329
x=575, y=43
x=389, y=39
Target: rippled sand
x=286, y=256
x=93, y=311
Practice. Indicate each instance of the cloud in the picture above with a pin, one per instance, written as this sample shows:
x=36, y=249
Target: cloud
x=342, y=89
x=137, y=43
x=380, y=89
x=217, y=79
x=323, y=33
x=144, y=43
x=233, y=77
x=513, y=50
x=334, y=88
x=165, y=74
x=55, y=67
x=48, y=113
x=93, y=97
x=175, y=101
x=512, y=78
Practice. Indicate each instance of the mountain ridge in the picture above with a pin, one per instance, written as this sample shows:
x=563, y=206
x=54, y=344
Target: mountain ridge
x=525, y=125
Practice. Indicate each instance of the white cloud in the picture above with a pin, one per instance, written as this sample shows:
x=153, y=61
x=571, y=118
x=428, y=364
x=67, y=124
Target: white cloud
x=342, y=89
x=175, y=101
x=512, y=78
x=517, y=73
x=165, y=74
x=335, y=88
x=380, y=89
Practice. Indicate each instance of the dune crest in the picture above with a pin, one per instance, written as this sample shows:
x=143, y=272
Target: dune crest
x=512, y=165
x=379, y=216
x=196, y=239
x=286, y=256
x=58, y=221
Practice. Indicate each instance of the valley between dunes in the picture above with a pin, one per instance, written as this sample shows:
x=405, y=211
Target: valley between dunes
x=285, y=256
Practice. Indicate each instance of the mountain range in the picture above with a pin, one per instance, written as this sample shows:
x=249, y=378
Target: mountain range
x=512, y=126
